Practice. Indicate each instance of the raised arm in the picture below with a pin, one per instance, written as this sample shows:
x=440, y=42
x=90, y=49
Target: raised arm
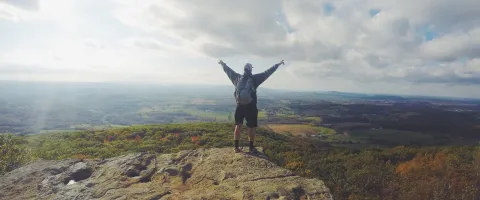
x=262, y=77
x=232, y=75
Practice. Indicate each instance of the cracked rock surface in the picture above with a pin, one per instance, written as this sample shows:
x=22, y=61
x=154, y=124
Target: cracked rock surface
x=195, y=174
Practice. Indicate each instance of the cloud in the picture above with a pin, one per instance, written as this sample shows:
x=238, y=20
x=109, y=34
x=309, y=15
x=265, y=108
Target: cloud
x=88, y=59
x=60, y=12
x=362, y=45
x=444, y=15
x=454, y=46
x=361, y=40
x=31, y=5
x=13, y=13
x=146, y=43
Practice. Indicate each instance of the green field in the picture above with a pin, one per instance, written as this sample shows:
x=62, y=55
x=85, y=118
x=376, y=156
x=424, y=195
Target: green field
x=262, y=115
x=219, y=116
x=175, y=109
x=301, y=129
x=294, y=129
x=313, y=119
x=324, y=130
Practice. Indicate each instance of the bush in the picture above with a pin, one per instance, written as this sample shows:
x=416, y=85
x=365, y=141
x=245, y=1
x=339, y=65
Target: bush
x=13, y=152
x=377, y=173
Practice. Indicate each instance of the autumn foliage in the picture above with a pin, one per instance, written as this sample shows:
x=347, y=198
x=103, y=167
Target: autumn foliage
x=389, y=173
x=402, y=172
x=436, y=176
x=195, y=140
x=138, y=138
x=294, y=165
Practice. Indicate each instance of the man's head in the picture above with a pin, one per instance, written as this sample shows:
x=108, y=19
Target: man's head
x=248, y=67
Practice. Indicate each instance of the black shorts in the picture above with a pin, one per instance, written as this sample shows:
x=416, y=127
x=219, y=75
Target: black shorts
x=248, y=112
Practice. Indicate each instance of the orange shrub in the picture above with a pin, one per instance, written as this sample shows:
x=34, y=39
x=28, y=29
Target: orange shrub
x=294, y=165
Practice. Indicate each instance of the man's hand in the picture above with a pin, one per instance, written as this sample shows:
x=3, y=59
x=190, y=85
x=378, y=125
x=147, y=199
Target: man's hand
x=281, y=63
x=221, y=62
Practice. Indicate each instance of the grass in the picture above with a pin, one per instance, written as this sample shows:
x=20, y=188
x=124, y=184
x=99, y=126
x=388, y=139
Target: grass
x=294, y=129
x=223, y=116
x=262, y=115
x=324, y=130
x=283, y=115
x=219, y=116
x=344, y=138
x=313, y=119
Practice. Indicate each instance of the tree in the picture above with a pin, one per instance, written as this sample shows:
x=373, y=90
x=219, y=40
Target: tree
x=436, y=176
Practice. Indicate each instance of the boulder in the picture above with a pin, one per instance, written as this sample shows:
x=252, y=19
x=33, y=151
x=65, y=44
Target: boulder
x=195, y=174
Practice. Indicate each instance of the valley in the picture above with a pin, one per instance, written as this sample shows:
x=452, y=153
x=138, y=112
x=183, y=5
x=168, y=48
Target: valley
x=362, y=146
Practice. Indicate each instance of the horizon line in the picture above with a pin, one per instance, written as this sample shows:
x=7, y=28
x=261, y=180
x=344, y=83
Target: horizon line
x=227, y=85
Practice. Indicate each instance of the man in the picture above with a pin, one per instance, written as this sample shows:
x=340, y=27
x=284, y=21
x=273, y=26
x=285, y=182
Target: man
x=247, y=109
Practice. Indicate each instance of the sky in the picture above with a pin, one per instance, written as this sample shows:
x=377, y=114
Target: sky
x=369, y=46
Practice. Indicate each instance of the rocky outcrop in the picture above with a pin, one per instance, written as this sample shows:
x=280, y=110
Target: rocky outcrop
x=195, y=174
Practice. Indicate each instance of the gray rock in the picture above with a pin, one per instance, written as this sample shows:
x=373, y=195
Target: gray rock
x=80, y=171
x=196, y=174
x=132, y=172
x=171, y=171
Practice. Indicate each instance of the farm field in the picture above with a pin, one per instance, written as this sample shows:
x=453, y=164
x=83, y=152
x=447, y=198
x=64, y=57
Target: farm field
x=294, y=129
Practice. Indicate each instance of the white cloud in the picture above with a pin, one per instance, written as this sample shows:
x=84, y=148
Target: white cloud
x=347, y=43
x=445, y=15
x=13, y=13
x=132, y=59
x=61, y=12
x=419, y=43
x=454, y=46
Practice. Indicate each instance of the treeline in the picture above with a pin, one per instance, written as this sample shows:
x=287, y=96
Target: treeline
x=391, y=173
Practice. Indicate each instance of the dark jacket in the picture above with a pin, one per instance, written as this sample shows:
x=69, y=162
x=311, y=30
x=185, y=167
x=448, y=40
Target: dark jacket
x=258, y=79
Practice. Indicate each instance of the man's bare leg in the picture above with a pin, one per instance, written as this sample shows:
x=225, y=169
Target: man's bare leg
x=238, y=128
x=236, y=136
x=251, y=134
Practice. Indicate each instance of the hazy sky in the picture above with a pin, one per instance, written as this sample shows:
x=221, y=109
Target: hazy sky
x=373, y=46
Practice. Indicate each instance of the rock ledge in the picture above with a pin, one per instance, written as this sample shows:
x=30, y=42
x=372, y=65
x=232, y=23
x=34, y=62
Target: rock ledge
x=196, y=174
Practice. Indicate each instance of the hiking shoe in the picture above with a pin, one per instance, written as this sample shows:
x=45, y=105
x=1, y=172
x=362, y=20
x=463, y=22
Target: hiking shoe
x=238, y=150
x=253, y=150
